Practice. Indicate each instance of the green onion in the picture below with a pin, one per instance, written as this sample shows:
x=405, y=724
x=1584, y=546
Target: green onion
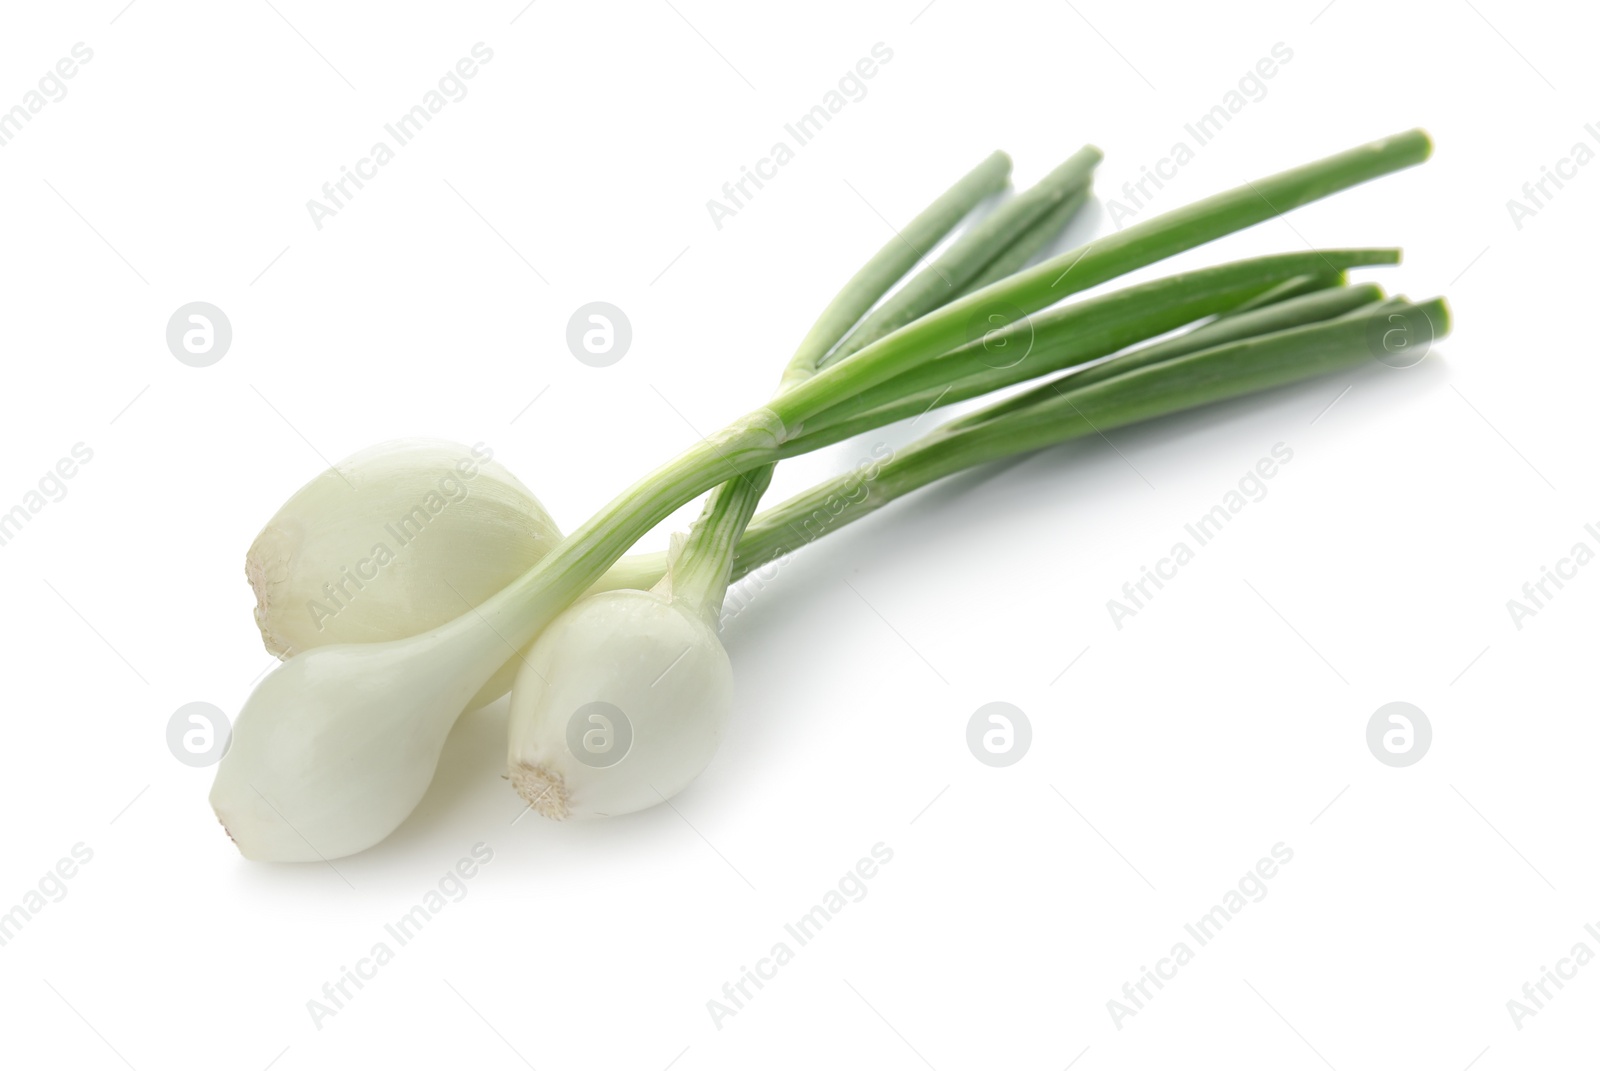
x=1049, y=227
x=1060, y=412
x=992, y=243
x=336, y=745
x=1103, y=259
x=897, y=257
x=1066, y=336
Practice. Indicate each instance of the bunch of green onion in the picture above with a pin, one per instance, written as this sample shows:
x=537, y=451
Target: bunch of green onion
x=620, y=687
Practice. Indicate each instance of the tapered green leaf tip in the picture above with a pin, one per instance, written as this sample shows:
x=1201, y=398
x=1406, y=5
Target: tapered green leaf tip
x=1440, y=317
x=1416, y=140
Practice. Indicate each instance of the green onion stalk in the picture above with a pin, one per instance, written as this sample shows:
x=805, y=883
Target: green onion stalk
x=334, y=748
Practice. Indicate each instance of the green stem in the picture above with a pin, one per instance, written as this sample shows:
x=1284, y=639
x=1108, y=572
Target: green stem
x=952, y=273
x=1071, y=335
x=834, y=503
x=522, y=609
x=1105, y=258
x=1306, y=284
x=704, y=567
x=1202, y=339
x=1244, y=367
x=1016, y=256
x=527, y=604
x=890, y=264
x=700, y=573
x=1308, y=308
x=1216, y=374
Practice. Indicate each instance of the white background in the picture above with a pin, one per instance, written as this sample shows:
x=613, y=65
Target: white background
x=1228, y=716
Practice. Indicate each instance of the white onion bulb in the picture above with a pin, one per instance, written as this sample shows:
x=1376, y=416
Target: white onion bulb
x=618, y=705
x=391, y=542
x=336, y=746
